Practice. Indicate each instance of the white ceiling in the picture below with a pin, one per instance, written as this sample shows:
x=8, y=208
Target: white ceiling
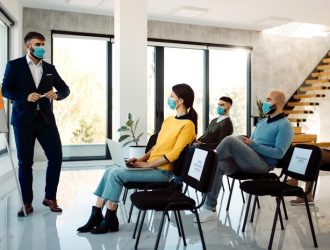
x=245, y=14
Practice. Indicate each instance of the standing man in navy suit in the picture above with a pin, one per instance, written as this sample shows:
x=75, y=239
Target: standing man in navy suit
x=29, y=82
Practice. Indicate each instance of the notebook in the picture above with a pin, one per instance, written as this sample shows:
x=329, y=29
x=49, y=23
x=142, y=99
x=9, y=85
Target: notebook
x=118, y=156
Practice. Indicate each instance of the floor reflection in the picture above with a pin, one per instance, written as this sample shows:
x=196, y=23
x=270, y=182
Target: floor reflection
x=49, y=231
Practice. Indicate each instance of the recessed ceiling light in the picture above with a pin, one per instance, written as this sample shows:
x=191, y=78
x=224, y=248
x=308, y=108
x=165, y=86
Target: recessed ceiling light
x=84, y=2
x=189, y=11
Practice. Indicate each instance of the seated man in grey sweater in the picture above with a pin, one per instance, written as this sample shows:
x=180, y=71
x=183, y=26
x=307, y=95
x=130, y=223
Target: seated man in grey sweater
x=219, y=127
x=258, y=154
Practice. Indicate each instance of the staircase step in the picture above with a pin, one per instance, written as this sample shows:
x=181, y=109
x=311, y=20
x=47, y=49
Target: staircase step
x=295, y=104
x=297, y=130
x=297, y=119
x=296, y=112
x=313, y=88
x=318, y=74
x=326, y=60
x=308, y=96
x=318, y=81
x=304, y=138
x=326, y=66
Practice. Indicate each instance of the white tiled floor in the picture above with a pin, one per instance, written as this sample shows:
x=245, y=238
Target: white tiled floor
x=45, y=230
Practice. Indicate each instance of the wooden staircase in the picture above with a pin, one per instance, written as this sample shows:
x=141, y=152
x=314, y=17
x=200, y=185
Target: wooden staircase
x=307, y=97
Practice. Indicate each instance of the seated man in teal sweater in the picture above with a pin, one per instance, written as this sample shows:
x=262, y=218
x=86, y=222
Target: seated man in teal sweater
x=219, y=127
x=258, y=154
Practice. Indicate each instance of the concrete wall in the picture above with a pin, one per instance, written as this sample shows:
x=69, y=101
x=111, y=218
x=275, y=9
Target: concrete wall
x=277, y=62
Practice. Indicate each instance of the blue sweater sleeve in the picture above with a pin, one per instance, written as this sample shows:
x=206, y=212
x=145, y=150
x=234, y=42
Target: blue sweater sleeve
x=282, y=143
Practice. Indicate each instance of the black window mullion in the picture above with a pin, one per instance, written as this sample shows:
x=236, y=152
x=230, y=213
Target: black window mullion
x=206, y=98
x=109, y=96
x=248, y=87
x=159, y=88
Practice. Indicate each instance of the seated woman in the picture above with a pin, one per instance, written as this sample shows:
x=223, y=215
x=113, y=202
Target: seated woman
x=176, y=132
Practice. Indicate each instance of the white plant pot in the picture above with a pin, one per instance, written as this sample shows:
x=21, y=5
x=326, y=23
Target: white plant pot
x=136, y=151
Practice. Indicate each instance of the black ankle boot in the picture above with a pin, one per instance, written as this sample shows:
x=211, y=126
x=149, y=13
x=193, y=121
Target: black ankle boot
x=94, y=220
x=109, y=223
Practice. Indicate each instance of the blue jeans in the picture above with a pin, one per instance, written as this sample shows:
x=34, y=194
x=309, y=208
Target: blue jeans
x=234, y=156
x=113, y=179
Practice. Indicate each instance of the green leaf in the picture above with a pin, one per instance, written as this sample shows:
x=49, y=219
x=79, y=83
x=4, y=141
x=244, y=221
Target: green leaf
x=130, y=116
x=123, y=137
x=129, y=123
x=126, y=143
x=123, y=128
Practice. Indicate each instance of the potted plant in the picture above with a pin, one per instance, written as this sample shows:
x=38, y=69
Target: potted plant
x=261, y=113
x=135, y=151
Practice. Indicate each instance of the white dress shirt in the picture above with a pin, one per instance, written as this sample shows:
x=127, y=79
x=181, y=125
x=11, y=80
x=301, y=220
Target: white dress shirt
x=36, y=70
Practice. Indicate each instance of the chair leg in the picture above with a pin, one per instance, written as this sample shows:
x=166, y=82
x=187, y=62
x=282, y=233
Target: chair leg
x=254, y=208
x=177, y=223
x=314, y=190
x=284, y=209
x=160, y=230
x=258, y=202
x=246, y=212
x=140, y=229
x=181, y=227
x=280, y=216
x=230, y=193
x=242, y=192
x=274, y=224
x=223, y=187
x=125, y=195
x=199, y=228
x=310, y=220
x=136, y=224
x=228, y=181
x=130, y=213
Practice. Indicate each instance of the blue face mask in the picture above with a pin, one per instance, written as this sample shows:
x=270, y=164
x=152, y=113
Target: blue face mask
x=220, y=110
x=39, y=52
x=268, y=108
x=171, y=103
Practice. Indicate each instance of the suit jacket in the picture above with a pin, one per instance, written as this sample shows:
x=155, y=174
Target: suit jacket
x=18, y=83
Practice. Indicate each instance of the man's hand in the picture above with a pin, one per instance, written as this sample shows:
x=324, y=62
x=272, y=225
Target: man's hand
x=33, y=97
x=51, y=95
x=247, y=140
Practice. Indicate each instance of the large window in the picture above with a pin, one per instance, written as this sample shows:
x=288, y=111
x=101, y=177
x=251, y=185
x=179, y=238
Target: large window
x=184, y=66
x=211, y=71
x=82, y=117
x=228, y=77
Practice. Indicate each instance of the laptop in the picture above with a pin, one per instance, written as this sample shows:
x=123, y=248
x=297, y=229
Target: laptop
x=118, y=156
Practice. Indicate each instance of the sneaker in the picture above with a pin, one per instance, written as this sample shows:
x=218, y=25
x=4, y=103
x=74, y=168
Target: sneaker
x=301, y=201
x=206, y=215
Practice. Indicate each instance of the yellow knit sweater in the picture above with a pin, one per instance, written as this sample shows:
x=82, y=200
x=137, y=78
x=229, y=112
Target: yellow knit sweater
x=174, y=135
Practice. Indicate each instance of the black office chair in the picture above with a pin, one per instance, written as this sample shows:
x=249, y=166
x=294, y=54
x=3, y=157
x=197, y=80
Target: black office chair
x=174, y=183
x=302, y=163
x=170, y=200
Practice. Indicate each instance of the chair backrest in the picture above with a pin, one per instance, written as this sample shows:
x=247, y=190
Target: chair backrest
x=200, y=167
x=151, y=142
x=303, y=162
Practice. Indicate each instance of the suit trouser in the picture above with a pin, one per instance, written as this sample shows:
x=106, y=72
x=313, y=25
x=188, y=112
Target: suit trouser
x=50, y=141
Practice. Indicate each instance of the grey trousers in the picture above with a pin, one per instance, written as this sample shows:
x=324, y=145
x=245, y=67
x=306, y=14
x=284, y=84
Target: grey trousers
x=234, y=156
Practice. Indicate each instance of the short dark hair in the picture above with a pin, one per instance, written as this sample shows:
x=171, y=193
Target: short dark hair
x=33, y=35
x=226, y=99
